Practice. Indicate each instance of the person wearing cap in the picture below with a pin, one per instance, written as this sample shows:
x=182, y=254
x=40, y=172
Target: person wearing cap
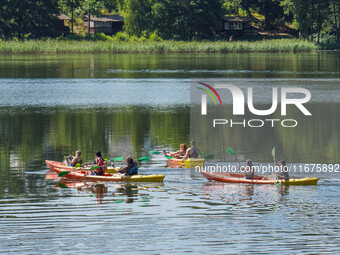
x=284, y=170
x=248, y=169
x=193, y=151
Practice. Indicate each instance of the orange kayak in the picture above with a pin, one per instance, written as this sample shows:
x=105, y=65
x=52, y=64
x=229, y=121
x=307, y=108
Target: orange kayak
x=258, y=179
x=55, y=164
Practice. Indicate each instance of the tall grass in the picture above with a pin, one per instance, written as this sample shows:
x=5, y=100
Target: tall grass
x=72, y=46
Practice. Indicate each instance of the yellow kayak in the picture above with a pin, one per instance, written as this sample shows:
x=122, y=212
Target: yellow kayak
x=83, y=175
x=186, y=163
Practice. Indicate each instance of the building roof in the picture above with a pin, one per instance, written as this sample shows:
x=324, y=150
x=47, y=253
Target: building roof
x=240, y=19
x=63, y=17
x=106, y=18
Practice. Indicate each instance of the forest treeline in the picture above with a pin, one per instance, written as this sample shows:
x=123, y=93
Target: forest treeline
x=173, y=19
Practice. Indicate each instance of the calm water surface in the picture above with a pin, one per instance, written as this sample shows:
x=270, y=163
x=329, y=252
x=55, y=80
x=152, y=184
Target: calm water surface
x=123, y=105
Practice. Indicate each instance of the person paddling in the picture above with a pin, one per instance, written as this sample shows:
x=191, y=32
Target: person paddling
x=75, y=159
x=284, y=170
x=248, y=169
x=131, y=168
x=99, y=161
x=193, y=151
x=178, y=154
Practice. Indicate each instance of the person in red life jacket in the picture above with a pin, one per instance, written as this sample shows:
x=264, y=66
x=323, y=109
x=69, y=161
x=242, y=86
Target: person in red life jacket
x=131, y=168
x=99, y=161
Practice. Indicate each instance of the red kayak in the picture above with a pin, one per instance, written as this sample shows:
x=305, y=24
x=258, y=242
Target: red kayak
x=258, y=179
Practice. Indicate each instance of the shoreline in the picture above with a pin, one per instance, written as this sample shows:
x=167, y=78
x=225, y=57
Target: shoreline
x=51, y=46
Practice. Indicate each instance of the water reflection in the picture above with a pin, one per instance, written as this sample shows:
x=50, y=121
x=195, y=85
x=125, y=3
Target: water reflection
x=246, y=65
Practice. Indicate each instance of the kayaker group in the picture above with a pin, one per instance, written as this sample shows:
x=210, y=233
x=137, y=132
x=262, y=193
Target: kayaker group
x=249, y=170
x=130, y=169
x=183, y=153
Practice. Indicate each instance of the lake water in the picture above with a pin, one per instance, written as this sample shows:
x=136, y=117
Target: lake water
x=123, y=105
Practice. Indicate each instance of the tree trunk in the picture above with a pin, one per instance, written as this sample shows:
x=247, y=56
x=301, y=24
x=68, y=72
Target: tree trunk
x=335, y=16
x=311, y=34
x=89, y=28
x=72, y=21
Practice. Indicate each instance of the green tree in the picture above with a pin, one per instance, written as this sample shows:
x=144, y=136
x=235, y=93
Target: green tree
x=310, y=15
x=69, y=6
x=187, y=19
x=272, y=10
x=27, y=17
x=136, y=16
x=92, y=8
x=335, y=10
x=233, y=7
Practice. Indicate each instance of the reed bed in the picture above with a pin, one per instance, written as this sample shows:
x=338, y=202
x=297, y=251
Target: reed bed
x=51, y=46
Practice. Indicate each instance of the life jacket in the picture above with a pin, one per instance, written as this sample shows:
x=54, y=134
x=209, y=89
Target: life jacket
x=133, y=170
x=100, y=162
x=78, y=161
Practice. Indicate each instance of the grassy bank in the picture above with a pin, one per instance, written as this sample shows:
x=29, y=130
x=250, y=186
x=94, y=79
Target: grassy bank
x=72, y=46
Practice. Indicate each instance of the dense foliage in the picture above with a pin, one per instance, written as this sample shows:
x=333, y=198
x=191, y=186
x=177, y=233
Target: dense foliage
x=174, y=19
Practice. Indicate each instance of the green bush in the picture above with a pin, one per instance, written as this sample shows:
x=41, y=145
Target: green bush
x=122, y=37
x=329, y=42
x=154, y=37
x=100, y=37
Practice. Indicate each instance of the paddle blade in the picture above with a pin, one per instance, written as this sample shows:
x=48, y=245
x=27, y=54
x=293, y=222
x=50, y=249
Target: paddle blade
x=63, y=173
x=95, y=167
x=146, y=158
x=77, y=166
x=209, y=157
x=154, y=152
x=203, y=154
x=230, y=151
x=273, y=152
x=105, y=159
x=168, y=157
x=62, y=185
x=117, y=159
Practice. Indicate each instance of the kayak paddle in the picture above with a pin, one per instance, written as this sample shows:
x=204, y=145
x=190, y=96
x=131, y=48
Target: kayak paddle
x=117, y=159
x=168, y=157
x=154, y=152
x=230, y=151
x=146, y=158
x=62, y=185
x=210, y=156
x=61, y=174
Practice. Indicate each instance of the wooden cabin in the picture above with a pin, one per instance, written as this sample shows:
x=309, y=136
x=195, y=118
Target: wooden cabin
x=239, y=26
x=107, y=24
x=60, y=27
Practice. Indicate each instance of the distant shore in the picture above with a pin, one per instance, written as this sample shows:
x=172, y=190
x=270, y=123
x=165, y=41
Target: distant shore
x=51, y=46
